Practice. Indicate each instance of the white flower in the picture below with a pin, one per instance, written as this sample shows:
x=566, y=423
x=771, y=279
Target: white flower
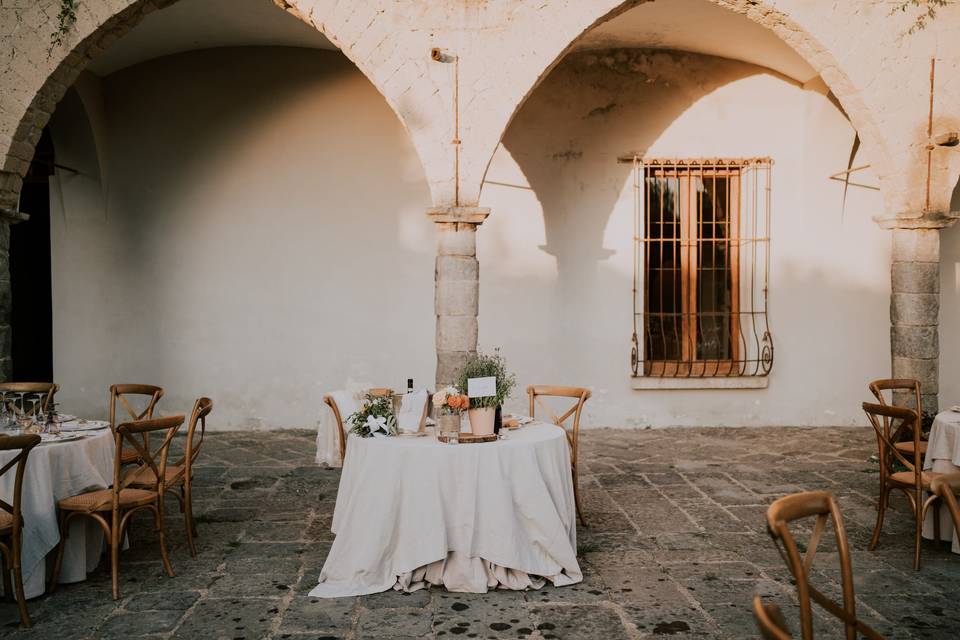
x=375, y=425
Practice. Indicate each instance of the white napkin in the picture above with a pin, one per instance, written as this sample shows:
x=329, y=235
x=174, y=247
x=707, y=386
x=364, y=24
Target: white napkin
x=411, y=410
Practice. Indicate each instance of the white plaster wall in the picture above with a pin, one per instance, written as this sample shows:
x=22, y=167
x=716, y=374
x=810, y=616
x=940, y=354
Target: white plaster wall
x=950, y=312
x=255, y=233
x=556, y=253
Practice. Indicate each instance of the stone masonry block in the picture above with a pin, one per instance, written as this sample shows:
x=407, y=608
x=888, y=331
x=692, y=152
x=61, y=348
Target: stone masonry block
x=456, y=333
x=914, y=342
x=456, y=243
x=461, y=268
x=921, y=309
x=916, y=245
x=449, y=365
x=457, y=298
x=924, y=370
x=915, y=277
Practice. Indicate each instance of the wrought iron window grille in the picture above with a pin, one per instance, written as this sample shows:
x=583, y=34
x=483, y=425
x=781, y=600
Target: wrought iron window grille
x=701, y=267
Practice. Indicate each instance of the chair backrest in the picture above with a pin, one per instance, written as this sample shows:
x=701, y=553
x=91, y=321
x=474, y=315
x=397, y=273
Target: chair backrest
x=770, y=620
x=904, y=392
x=198, y=417
x=822, y=506
x=23, y=444
x=892, y=425
x=947, y=487
x=154, y=458
x=341, y=433
x=380, y=392
x=47, y=389
x=580, y=396
x=123, y=394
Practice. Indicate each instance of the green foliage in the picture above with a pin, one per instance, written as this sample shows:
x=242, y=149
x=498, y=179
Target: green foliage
x=375, y=407
x=484, y=366
x=65, y=20
x=928, y=11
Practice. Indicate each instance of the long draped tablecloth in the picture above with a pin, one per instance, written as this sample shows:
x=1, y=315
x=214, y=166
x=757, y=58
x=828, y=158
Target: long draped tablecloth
x=943, y=456
x=56, y=471
x=412, y=512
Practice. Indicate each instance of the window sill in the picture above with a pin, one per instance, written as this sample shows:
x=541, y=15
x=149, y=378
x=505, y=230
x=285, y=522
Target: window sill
x=721, y=382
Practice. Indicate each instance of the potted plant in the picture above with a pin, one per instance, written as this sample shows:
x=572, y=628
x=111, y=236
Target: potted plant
x=448, y=403
x=483, y=410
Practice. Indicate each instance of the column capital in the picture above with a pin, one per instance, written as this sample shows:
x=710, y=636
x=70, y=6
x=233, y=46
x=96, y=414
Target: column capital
x=928, y=220
x=460, y=216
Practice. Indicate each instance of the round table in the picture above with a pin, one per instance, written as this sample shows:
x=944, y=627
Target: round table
x=56, y=471
x=943, y=456
x=412, y=512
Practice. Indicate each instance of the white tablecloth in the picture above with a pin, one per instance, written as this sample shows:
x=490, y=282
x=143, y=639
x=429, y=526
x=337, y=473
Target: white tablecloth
x=412, y=512
x=54, y=472
x=943, y=456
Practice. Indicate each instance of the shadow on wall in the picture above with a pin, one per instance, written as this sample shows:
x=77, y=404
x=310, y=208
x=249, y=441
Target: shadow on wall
x=620, y=102
x=264, y=240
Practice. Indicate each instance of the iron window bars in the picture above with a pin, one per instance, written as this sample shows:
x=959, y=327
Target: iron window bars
x=701, y=267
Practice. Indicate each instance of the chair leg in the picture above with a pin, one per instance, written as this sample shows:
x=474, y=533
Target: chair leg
x=25, y=621
x=936, y=521
x=881, y=510
x=55, y=578
x=918, y=529
x=188, y=520
x=163, y=538
x=5, y=567
x=116, y=536
x=576, y=498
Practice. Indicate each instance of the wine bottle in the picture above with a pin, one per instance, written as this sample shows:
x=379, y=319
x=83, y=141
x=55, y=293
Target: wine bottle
x=409, y=385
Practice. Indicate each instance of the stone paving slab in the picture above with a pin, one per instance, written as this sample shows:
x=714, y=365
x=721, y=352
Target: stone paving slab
x=676, y=548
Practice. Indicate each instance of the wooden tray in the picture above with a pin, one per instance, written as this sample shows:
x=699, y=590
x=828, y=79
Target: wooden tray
x=469, y=438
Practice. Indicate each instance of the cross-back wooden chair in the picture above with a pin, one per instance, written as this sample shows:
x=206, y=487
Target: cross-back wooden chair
x=112, y=508
x=770, y=620
x=11, y=521
x=179, y=475
x=377, y=392
x=891, y=425
x=581, y=395
x=126, y=395
x=47, y=390
x=947, y=487
x=903, y=392
x=822, y=506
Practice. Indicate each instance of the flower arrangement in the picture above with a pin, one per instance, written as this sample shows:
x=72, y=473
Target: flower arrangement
x=449, y=401
x=484, y=366
x=375, y=418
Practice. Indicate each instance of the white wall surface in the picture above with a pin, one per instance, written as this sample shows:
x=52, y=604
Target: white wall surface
x=255, y=233
x=556, y=253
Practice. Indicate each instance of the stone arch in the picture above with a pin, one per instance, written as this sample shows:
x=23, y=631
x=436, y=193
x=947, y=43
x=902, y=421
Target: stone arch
x=44, y=74
x=761, y=12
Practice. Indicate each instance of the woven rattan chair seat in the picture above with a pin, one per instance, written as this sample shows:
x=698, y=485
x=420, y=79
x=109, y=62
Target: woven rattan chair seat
x=145, y=477
x=129, y=456
x=102, y=500
x=908, y=478
x=6, y=522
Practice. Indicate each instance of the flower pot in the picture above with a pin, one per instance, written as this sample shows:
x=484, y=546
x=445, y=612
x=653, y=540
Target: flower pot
x=481, y=420
x=448, y=423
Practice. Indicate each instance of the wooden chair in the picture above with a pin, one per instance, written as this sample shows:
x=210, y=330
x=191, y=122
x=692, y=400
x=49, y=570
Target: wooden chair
x=573, y=435
x=890, y=424
x=822, y=505
x=179, y=475
x=36, y=388
x=122, y=394
x=11, y=522
x=947, y=487
x=770, y=620
x=121, y=500
x=377, y=392
x=902, y=391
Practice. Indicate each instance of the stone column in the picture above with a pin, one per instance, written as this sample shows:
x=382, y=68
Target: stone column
x=915, y=310
x=8, y=216
x=457, y=293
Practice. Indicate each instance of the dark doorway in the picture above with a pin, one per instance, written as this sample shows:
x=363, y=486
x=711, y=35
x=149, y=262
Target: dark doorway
x=32, y=307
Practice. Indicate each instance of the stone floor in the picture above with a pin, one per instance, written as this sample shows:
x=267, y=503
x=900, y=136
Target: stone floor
x=676, y=547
